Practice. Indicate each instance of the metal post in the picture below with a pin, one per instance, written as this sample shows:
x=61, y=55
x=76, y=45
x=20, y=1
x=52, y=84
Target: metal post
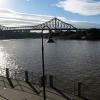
x=41, y=81
x=79, y=88
x=26, y=76
x=7, y=72
x=51, y=81
x=43, y=70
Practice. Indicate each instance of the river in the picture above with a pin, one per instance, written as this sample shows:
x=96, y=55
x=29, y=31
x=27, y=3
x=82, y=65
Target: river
x=70, y=59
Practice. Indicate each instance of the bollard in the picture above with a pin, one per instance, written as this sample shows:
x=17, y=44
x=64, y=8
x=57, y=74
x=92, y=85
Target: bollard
x=51, y=81
x=26, y=76
x=8, y=78
x=41, y=81
x=7, y=72
x=79, y=88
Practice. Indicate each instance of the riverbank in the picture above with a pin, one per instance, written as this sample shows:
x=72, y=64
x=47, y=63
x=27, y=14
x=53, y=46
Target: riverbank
x=54, y=38
x=89, y=34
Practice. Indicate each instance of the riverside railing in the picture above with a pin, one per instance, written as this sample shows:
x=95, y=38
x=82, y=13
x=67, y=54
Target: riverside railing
x=88, y=91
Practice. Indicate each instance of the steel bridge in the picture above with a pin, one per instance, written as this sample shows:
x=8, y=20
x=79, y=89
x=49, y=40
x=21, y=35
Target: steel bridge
x=53, y=24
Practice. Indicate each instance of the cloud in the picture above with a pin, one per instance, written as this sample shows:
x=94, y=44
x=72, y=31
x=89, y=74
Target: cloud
x=83, y=7
x=13, y=18
x=28, y=0
x=9, y=17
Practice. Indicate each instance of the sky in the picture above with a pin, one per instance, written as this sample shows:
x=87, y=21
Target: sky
x=80, y=13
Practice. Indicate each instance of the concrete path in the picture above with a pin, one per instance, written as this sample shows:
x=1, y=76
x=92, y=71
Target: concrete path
x=22, y=91
x=11, y=89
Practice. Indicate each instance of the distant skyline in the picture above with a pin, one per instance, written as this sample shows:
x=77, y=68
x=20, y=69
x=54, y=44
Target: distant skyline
x=81, y=13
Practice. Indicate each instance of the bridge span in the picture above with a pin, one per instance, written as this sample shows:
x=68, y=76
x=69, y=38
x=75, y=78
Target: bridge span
x=53, y=24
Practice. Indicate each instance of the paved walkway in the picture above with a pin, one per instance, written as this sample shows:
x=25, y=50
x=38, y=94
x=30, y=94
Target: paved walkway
x=11, y=94
x=23, y=91
x=11, y=89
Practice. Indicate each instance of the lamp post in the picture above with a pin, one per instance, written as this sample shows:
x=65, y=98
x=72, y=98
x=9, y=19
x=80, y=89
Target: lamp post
x=43, y=70
x=43, y=67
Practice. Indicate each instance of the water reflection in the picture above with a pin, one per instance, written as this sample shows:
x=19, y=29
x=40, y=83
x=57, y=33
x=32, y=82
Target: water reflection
x=6, y=61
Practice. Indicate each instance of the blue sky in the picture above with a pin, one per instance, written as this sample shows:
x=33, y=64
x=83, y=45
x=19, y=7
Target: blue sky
x=83, y=11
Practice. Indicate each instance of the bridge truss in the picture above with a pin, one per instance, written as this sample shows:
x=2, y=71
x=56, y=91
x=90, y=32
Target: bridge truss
x=53, y=24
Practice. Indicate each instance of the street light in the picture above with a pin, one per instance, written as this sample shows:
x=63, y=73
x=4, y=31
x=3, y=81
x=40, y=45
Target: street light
x=43, y=67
